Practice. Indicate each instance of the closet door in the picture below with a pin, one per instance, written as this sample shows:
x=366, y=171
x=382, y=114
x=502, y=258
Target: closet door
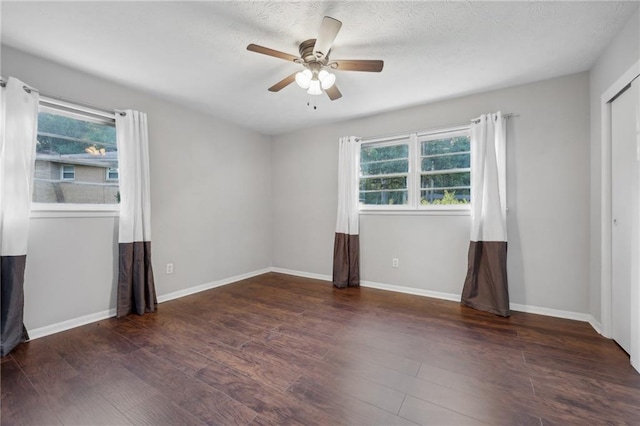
x=625, y=212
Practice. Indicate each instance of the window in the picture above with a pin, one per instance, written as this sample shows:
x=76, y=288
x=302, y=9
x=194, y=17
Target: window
x=75, y=146
x=384, y=173
x=67, y=172
x=424, y=171
x=112, y=173
x=445, y=169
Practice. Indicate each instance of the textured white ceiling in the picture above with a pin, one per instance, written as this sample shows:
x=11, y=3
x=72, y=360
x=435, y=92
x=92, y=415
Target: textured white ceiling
x=194, y=53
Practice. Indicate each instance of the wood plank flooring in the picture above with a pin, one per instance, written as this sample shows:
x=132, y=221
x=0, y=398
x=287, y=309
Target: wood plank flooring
x=277, y=349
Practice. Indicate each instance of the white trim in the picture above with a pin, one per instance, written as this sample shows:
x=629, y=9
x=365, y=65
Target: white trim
x=411, y=290
x=59, y=210
x=301, y=274
x=98, y=316
x=606, y=307
x=75, y=110
x=57, y=214
x=36, y=333
x=557, y=313
x=419, y=212
x=595, y=324
x=208, y=286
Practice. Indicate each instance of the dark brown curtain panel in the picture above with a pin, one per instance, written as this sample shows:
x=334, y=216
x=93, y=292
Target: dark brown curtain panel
x=486, y=287
x=346, y=247
x=346, y=260
x=12, y=276
x=136, y=287
x=18, y=129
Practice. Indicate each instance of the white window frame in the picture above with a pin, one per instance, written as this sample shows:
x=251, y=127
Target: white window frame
x=413, y=205
x=62, y=210
x=63, y=171
x=382, y=143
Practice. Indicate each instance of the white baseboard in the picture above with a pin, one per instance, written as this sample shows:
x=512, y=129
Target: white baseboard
x=595, y=324
x=208, y=286
x=98, y=316
x=412, y=290
x=69, y=324
x=301, y=274
x=578, y=316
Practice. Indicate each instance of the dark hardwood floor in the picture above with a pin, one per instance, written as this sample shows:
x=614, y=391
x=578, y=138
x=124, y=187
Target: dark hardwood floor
x=277, y=349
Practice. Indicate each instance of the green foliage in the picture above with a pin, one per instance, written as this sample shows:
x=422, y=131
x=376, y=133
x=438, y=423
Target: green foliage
x=448, y=198
x=67, y=130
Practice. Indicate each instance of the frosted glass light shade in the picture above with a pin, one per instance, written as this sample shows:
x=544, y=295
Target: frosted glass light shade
x=314, y=88
x=303, y=79
x=326, y=79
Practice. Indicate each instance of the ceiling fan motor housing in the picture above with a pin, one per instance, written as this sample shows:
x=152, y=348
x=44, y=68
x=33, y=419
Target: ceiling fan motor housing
x=309, y=56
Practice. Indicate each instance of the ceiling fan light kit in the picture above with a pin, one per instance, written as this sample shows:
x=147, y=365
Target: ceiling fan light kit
x=314, y=57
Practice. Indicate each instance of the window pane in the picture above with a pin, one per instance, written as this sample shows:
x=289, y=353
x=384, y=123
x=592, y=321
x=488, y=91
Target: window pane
x=445, y=180
x=384, y=167
x=445, y=188
x=383, y=190
x=68, y=172
x=370, y=153
x=445, y=196
x=445, y=145
x=383, y=197
x=376, y=184
x=72, y=159
x=112, y=173
x=446, y=162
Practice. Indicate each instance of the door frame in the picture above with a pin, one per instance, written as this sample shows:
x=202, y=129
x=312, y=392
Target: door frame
x=606, y=220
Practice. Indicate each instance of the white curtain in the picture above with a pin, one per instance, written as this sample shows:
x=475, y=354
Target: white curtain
x=18, y=130
x=136, y=287
x=486, y=286
x=346, y=250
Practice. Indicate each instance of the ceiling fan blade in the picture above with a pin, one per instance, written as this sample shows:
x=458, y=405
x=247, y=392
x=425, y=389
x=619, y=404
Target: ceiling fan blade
x=270, y=52
x=357, y=65
x=333, y=93
x=283, y=83
x=327, y=34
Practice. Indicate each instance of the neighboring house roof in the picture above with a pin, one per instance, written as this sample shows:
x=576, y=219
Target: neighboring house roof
x=110, y=159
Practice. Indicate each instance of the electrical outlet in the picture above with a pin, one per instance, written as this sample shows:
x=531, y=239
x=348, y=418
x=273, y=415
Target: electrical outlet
x=169, y=268
x=395, y=262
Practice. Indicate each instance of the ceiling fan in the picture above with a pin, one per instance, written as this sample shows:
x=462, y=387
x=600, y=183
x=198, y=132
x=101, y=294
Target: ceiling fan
x=314, y=57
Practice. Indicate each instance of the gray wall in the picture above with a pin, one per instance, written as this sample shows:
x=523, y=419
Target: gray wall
x=227, y=202
x=621, y=53
x=210, y=192
x=548, y=199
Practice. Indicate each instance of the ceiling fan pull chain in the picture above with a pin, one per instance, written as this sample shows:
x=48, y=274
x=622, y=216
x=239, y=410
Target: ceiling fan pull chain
x=311, y=102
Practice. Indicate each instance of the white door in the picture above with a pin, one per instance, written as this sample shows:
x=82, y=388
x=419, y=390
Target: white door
x=624, y=198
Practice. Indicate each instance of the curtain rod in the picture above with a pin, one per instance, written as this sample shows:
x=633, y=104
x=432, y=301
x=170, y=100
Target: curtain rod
x=3, y=83
x=440, y=129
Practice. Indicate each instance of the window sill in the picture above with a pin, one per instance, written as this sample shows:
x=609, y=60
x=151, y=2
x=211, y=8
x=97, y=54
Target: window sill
x=420, y=212
x=44, y=210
